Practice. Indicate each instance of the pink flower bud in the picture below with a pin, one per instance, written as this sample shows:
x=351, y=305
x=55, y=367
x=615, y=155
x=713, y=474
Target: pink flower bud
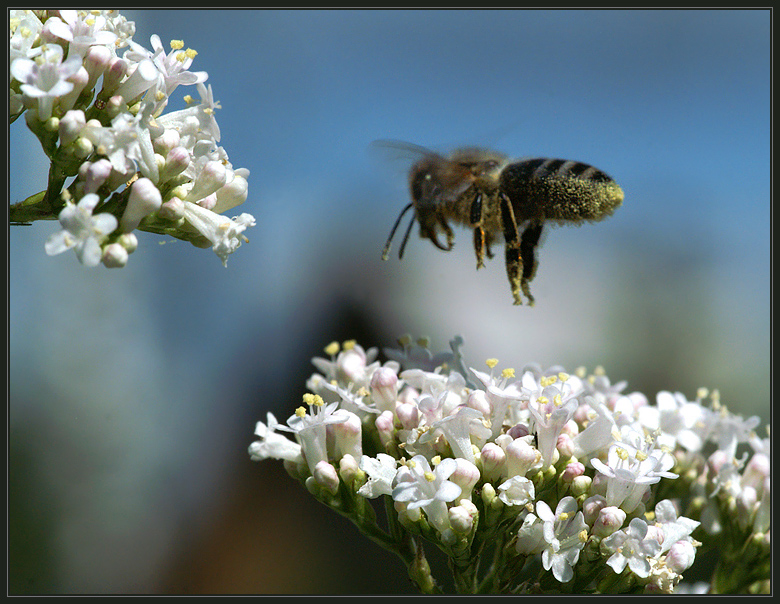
x=680, y=556
x=384, y=388
x=609, y=520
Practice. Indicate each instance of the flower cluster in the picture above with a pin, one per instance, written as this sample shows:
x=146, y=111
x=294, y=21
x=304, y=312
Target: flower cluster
x=565, y=481
x=118, y=161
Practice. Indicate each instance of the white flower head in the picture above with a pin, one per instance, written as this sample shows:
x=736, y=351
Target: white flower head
x=45, y=78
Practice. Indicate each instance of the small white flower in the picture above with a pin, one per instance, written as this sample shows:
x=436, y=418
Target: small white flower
x=46, y=77
x=420, y=487
x=82, y=231
x=565, y=534
x=633, y=547
x=518, y=490
x=273, y=445
x=225, y=234
x=381, y=472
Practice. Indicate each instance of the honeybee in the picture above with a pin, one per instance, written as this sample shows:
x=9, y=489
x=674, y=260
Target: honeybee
x=495, y=196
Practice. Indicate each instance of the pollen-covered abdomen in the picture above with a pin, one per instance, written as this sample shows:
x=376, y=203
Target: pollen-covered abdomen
x=558, y=189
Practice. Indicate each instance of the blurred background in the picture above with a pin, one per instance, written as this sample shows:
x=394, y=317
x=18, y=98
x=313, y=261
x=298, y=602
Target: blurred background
x=134, y=393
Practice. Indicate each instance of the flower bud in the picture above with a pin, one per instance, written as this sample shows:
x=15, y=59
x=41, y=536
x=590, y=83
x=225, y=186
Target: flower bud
x=144, y=199
x=212, y=176
x=128, y=241
x=71, y=125
x=112, y=76
x=384, y=388
x=408, y=414
x=173, y=209
x=96, y=174
x=348, y=468
x=609, y=520
x=680, y=556
x=493, y=460
x=347, y=435
x=572, y=470
x=96, y=62
x=520, y=457
x=385, y=428
x=462, y=517
x=325, y=475
x=176, y=161
x=478, y=400
x=591, y=508
x=232, y=194
x=114, y=256
x=466, y=475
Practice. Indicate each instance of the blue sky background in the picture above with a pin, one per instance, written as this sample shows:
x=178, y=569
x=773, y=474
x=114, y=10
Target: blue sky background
x=134, y=392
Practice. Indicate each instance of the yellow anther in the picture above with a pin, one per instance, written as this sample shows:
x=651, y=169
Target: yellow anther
x=508, y=373
x=332, y=349
x=318, y=402
x=188, y=99
x=429, y=476
x=547, y=381
x=300, y=412
x=436, y=460
x=583, y=535
x=177, y=44
x=424, y=341
x=190, y=53
x=702, y=393
x=491, y=362
x=598, y=370
x=563, y=376
x=308, y=398
x=348, y=344
x=542, y=400
x=641, y=456
x=621, y=453
x=564, y=516
x=405, y=340
x=557, y=400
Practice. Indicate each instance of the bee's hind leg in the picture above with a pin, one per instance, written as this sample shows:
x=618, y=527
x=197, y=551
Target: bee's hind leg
x=513, y=251
x=528, y=244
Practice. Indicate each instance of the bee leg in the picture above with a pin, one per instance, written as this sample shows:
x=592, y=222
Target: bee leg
x=448, y=232
x=480, y=246
x=512, y=248
x=528, y=244
x=475, y=216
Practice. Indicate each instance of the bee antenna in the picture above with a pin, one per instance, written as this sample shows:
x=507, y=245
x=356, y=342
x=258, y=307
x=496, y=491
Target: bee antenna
x=406, y=237
x=386, y=250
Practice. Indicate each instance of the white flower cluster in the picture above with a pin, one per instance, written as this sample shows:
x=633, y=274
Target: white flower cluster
x=127, y=165
x=566, y=478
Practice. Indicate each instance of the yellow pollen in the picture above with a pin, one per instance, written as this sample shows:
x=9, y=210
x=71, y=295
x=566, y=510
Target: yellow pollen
x=508, y=373
x=581, y=372
x=308, y=398
x=702, y=393
x=188, y=99
x=318, y=402
x=557, y=400
x=300, y=412
x=598, y=370
x=583, y=535
x=640, y=456
x=563, y=376
x=348, y=344
x=208, y=111
x=491, y=362
x=90, y=21
x=332, y=348
x=159, y=96
x=542, y=400
x=429, y=476
x=621, y=453
x=547, y=381
x=177, y=44
x=564, y=516
x=190, y=53
x=181, y=57
x=405, y=340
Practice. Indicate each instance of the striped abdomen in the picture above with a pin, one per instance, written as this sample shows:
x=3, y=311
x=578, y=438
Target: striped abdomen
x=558, y=189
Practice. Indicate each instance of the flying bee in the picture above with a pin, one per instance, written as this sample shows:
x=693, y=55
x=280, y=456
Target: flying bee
x=497, y=196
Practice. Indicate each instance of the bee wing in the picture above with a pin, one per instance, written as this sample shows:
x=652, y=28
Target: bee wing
x=395, y=151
